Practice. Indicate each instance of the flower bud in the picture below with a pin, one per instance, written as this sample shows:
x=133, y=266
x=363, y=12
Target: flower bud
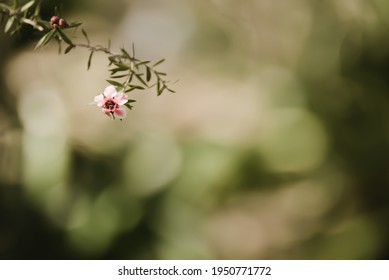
x=63, y=23
x=54, y=21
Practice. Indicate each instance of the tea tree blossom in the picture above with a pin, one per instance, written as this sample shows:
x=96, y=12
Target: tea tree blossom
x=111, y=101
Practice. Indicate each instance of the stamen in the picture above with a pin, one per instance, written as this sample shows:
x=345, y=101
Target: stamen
x=110, y=105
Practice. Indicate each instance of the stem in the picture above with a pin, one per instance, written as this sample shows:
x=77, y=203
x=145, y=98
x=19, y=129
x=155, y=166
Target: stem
x=94, y=48
x=128, y=80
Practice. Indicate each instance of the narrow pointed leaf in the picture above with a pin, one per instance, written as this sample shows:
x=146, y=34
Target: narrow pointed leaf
x=158, y=62
x=159, y=87
x=142, y=63
x=133, y=87
x=129, y=79
x=86, y=36
x=113, y=58
x=123, y=66
x=148, y=74
x=115, y=83
x=90, y=59
x=9, y=24
x=138, y=87
x=4, y=6
x=16, y=29
x=125, y=53
x=45, y=39
x=68, y=49
x=27, y=6
x=37, y=10
x=74, y=25
x=117, y=69
x=119, y=76
x=138, y=76
x=169, y=89
x=59, y=46
x=64, y=37
x=128, y=106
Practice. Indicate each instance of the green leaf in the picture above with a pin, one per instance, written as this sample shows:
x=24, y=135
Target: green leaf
x=161, y=90
x=169, y=89
x=158, y=62
x=9, y=24
x=133, y=50
x=90, y=59
x=113, y=58
x=45, y=39
x=59, y=46
x=65, y=37
x=159, y=87
x=44, y=24
x=142, y=63
x=148, y=74
x=28, y=5
x=139, y=77
x=115, y=83
x=125, y=53
x=138, y=87
x=74, y=25
x=5, y=7
x=37, y=10
x=131, y=76
x=119, y=76
x=68, y=49
x=120, y=68
x=85, y=35
x=128, y=104
x=115, y=70
x=18, y=27
x=133, y=87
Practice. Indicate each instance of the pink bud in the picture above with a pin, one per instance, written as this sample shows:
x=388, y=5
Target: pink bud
x=54, y=21
x=63, y=23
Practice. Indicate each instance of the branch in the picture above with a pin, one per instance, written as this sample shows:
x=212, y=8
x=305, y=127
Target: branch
x=127, y=73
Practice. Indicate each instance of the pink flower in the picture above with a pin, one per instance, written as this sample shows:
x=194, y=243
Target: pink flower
x=110, y=102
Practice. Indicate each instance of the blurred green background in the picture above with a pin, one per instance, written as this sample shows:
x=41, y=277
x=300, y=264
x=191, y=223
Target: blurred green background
x=275, y=146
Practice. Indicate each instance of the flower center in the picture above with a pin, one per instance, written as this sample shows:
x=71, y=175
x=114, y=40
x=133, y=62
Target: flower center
x=110, y=105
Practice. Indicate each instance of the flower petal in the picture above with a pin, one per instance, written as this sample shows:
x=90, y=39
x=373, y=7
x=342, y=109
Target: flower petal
x=110, y=91
x=108, y=113
x=99, y=100
x=121, y=98
x=120, y=113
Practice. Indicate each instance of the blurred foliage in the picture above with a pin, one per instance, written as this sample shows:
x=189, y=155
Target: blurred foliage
x=275, y=146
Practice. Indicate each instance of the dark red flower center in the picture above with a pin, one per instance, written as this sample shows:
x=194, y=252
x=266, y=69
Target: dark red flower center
x=110, y=105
